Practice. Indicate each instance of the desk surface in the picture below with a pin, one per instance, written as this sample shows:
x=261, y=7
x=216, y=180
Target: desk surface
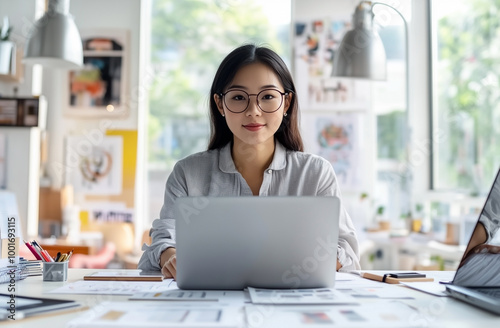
x=434, y=311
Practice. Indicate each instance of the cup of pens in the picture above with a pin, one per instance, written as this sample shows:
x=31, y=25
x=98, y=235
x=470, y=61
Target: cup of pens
x=54, y=269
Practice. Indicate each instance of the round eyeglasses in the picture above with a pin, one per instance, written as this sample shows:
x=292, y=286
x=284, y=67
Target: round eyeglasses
x=268, y=100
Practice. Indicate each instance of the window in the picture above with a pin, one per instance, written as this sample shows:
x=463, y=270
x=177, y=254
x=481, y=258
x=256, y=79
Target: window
x=466, y=94
x=188, y=40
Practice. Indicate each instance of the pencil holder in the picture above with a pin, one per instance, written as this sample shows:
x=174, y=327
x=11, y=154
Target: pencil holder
x=55, y=271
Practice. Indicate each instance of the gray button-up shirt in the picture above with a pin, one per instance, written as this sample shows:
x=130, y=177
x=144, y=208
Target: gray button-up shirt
x=213, y=173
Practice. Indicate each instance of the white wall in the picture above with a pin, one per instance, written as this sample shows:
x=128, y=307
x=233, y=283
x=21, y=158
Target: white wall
x=99, y=14
x=306, y=11
x=23, y=150
x=88, y=14
x=415, y=13
x=91, y=14
x=23, y=163
x=419, y=98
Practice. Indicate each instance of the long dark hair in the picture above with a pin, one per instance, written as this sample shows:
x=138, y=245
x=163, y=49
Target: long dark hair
x=288, y=133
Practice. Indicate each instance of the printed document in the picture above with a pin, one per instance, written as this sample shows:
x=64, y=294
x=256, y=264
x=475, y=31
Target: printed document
x=299, y=296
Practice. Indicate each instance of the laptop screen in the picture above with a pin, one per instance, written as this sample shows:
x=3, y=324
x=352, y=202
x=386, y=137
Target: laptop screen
x=480, y=265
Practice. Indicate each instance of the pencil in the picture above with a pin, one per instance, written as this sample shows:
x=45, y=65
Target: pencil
x=69, y=254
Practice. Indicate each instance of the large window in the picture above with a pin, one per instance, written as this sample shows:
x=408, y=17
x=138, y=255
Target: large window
x=466, y=93
x=189, y=38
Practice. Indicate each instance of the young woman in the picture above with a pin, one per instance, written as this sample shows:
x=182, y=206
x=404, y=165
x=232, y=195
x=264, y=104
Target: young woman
x=255, y=149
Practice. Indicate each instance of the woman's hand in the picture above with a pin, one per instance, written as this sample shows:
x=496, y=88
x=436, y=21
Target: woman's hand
x=169, y=263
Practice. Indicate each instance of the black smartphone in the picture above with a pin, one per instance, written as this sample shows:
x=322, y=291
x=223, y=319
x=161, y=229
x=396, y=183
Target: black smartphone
x=403, y=275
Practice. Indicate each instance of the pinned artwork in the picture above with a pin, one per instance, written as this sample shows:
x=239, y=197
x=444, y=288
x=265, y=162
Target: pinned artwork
x=102, y=171
x=337, y=138
x=95, y=169
x=99, y=88
x=315, y=46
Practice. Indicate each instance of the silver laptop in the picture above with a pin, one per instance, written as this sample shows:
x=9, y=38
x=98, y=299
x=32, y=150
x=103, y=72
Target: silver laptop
x=264, y=242
x=477, y=280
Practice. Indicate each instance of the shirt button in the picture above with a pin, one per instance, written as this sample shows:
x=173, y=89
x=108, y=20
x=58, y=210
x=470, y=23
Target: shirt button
x=269, y=171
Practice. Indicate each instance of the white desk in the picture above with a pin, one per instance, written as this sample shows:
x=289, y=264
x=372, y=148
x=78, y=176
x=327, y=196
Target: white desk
x=434, y=311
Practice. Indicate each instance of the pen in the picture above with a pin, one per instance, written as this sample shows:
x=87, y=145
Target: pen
x=38, y=251
x=42, y=252
x=45, y=257
x=32, y=250
x=48, y=255
x=57, y=257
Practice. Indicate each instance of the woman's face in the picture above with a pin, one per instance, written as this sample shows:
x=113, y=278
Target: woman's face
x=253, y=126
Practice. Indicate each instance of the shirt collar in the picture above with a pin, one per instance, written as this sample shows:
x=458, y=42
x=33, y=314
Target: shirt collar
x=226, y=163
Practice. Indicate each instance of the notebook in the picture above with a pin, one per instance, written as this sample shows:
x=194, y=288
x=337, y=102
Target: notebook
x=264, y=242
x=477, y=280
x=125, y=275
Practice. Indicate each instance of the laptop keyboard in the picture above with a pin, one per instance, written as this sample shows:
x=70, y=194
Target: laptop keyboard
x=493, y=292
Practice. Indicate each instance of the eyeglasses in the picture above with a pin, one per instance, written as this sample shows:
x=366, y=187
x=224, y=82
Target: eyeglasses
x=268, y=100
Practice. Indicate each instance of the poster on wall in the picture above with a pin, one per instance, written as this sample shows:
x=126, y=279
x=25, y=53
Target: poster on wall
x=102, y=172
x=315, y=46
x=94, y=169
x=99, y=87
x=337, y=138
x=104, y=212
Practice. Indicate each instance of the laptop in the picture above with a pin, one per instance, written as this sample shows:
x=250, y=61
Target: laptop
x=477, y=280
x=263, y=242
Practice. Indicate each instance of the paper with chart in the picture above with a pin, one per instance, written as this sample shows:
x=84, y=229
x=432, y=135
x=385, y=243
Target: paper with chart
x=156, y=314
x=379, y=314
x=231, y=296
x=115, y=287
x=299, y=296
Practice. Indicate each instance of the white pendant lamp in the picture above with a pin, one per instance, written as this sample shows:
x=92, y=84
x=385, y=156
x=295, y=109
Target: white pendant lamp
x=54, y=40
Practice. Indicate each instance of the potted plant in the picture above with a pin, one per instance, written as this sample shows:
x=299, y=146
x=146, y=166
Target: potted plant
x=7, y=49
x=382, y=222
x=417, y=219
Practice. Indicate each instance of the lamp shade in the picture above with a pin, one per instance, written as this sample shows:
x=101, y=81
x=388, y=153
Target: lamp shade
x=54, y=40
x=361, y=53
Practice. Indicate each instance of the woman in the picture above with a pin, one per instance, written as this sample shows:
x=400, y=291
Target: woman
x=255, y=149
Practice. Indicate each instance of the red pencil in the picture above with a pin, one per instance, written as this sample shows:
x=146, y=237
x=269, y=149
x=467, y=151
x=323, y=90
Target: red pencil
x=32, y=250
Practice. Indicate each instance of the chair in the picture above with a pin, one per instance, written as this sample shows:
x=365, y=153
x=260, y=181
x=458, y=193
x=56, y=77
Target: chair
x=118, y=240
x=97, y=261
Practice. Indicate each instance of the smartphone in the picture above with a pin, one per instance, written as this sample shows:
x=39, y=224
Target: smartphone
x=403, y=275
